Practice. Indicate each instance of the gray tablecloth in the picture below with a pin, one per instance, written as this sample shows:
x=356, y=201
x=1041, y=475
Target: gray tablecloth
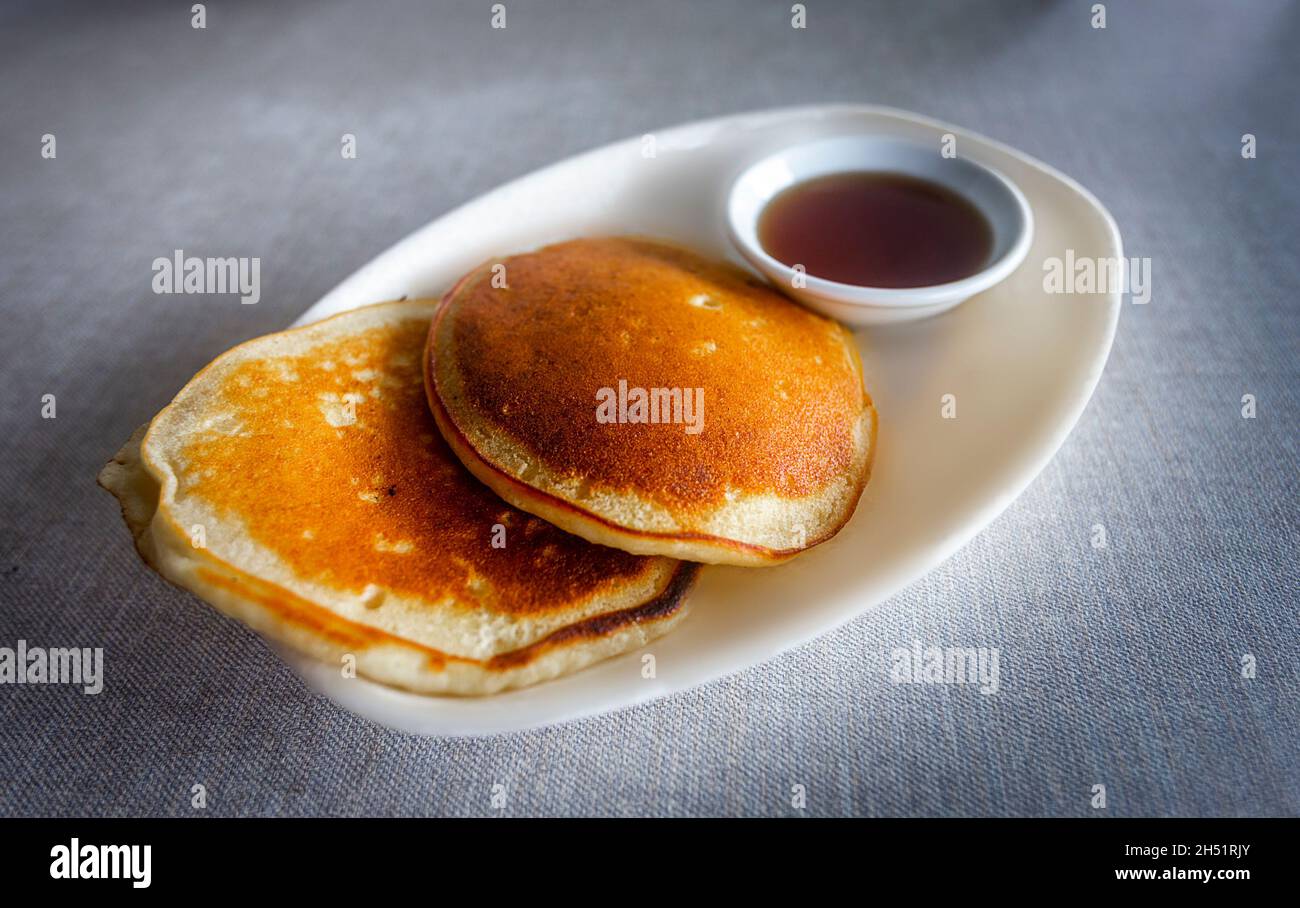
x=1120, y=666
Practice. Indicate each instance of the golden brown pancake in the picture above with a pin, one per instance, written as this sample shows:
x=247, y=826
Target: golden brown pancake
x=521, y=379
x=299, y=484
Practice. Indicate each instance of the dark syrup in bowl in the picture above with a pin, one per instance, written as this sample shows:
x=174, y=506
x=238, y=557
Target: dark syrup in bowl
x=876, y=229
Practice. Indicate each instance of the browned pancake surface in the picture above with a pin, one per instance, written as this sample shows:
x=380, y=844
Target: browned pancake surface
x=782, y=391
x=382, y=501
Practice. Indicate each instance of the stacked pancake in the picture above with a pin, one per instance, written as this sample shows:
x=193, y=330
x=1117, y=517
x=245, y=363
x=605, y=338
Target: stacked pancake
x=464, y=497
x=783, y=447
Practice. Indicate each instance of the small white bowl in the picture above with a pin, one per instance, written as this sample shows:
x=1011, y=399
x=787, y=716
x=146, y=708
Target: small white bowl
x=996, y=197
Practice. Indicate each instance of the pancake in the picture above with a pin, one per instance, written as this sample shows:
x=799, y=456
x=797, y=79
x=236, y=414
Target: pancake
x=524, y=378
x=329, y=515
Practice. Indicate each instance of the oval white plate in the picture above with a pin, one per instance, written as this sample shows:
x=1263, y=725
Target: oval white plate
x=1022, y=364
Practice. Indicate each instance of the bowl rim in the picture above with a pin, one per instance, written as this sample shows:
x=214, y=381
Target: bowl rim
x=865, y=295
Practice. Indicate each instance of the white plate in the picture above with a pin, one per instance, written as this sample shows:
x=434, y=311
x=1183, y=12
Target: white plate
x=1021, y=362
